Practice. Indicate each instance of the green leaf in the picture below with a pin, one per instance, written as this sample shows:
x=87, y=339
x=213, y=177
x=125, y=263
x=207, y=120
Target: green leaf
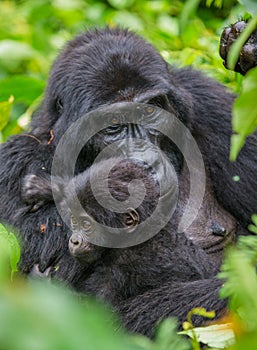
x=241, y=282
x=250, y=5
x=188, y=10
x=217, y=336
x=254, y=219
x=244, y=113
x=5, y=111
x=121, y=4
x=12, y=52
x=11, y=248
x=167, y=337
x=216, y=3
x=126, y=19
x=237, y=142
x=24, y=89
x=43, y=316
x=15, y=252
x=253, y=228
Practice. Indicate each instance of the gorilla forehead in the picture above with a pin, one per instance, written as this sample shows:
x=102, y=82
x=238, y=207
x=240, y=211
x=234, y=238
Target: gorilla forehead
x=99, y=64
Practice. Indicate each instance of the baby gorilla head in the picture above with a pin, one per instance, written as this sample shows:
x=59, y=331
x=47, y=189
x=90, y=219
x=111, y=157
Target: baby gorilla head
x=99, y=205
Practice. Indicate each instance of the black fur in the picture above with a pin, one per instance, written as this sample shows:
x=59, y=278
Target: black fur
x=107, y=66
x=158, y=271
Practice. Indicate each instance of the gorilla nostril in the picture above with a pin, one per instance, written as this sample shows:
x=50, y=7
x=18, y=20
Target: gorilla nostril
x=218, y=230
x=75, y=240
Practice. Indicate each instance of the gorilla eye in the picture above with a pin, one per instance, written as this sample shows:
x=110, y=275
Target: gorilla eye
x=86, y=225
x=113, y=129
x=159, y=101
x=74, y=221
x=131, y=219
x=58, y=106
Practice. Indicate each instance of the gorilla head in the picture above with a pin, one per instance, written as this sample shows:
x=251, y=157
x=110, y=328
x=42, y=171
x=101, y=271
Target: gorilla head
x=103, y=67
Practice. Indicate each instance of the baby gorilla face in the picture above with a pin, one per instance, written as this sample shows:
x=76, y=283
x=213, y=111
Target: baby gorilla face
x=83, y=227
x=90, y=218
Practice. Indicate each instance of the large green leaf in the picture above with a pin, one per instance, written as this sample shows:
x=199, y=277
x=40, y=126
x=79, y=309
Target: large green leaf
x=9, y=251
x=244, y=120
x=24, y=89
x=189, y=9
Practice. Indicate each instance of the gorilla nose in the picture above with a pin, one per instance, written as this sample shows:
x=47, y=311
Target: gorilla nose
x=218, y=230
x=75, y=241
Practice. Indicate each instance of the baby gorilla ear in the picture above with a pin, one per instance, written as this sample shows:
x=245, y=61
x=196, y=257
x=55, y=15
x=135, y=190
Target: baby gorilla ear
x=131, y=220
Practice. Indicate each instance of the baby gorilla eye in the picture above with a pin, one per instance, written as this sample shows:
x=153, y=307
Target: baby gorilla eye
x=73, y=220
x=58, y=106
x=86, y=225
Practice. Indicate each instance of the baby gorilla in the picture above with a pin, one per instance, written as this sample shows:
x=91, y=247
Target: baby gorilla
x=130, y=277
x=125, y=276
x=167, y=255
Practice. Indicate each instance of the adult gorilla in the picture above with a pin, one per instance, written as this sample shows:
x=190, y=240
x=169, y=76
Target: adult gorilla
x=113, y=65
x=103, y=67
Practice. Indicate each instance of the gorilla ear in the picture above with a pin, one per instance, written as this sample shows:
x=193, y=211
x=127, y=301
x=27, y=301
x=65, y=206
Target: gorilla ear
x=131, y=219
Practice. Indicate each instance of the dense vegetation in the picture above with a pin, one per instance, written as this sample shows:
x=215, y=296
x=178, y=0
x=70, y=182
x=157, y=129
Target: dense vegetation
x=36, y=315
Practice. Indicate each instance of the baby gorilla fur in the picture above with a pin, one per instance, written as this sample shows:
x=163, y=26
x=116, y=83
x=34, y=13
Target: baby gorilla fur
x=126, y=276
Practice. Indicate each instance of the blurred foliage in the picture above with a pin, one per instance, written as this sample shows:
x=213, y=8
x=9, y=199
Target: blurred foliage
x=9, y=253
x=37, y=315
x=240, y=287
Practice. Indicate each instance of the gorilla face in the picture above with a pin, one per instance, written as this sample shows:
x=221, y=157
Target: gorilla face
x=101, y=68
x=109, y=214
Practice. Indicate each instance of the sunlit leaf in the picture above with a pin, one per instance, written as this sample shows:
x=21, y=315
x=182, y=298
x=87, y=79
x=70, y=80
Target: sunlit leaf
x=12, y=52
x=244, y=119
x=218, y=336
x=11, y=247
x=5, y=110
x=188, y=10
x=24, y=89
x=14, y=252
